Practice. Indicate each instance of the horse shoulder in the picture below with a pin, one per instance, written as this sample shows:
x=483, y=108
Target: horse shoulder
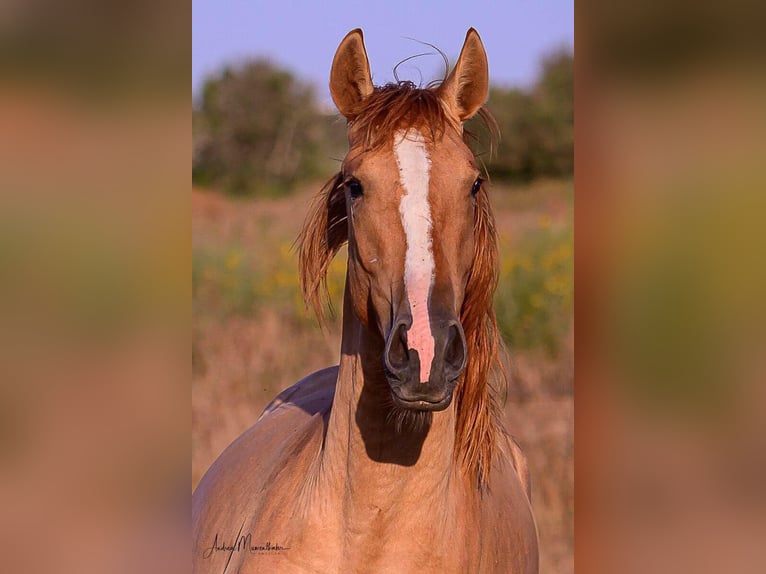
x=283, y=425
x=251, y=472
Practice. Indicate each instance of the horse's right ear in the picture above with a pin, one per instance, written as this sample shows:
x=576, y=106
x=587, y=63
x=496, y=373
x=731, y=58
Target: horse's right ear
x=350, y=79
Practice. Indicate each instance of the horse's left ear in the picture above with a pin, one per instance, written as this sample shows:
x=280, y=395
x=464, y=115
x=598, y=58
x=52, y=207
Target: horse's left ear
x=465, y=89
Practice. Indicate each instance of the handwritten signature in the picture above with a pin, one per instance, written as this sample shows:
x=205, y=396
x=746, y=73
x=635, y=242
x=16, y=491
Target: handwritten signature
x=241, y=543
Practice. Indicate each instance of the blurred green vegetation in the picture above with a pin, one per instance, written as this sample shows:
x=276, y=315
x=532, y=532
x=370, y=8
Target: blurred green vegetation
x=687, y=309
x=259, y=130
x=231, y=281
x=97, y=51
x=536, y=125
x=534, y=299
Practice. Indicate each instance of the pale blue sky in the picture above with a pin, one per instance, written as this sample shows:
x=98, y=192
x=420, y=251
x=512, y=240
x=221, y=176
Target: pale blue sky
x=302, y=35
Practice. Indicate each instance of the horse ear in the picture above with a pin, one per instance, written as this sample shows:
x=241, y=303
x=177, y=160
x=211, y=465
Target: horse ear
x=350, y=79
x=465, y=89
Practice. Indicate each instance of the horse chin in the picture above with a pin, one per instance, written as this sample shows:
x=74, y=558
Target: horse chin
x=430, y=404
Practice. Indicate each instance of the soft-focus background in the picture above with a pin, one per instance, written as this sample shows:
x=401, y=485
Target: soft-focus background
x=671, y=277
x=94, y=288
x=265, y=137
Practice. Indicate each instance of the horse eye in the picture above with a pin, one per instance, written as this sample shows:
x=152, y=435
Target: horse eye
x=476, y=186
x=354, y=188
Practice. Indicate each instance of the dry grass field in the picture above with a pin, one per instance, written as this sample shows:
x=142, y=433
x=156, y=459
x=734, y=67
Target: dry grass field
x=252, y=336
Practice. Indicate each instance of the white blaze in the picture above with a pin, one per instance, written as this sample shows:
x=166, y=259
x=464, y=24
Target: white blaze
x=414, y=170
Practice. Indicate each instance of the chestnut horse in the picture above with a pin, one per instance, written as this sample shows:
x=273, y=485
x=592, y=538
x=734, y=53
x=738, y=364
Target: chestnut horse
x=395, y=460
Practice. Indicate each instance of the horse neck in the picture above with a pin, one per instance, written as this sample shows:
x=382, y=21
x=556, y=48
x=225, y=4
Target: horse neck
x=364, y=451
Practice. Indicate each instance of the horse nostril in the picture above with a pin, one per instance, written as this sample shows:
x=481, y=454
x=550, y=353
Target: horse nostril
x=455, y=351
x=396, y=356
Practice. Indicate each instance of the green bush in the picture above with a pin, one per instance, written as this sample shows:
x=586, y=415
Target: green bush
x=230, y=281
x=534, y=298
x=257, y=130
x=536, y=126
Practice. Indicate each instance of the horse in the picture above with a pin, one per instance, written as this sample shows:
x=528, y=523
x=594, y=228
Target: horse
x=395, y=460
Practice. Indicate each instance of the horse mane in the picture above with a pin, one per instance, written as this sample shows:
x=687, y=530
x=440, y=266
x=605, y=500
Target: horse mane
x=382, y=113
x=478, y=420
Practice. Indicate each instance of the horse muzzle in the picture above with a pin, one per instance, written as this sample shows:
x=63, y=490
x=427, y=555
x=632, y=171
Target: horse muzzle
x=415, y=384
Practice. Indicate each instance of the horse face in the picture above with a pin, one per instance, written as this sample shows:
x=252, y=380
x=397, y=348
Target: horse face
x=411, y=212
x=410, y=202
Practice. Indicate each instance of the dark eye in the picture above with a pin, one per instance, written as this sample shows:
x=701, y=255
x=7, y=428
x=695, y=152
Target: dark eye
x=354, y=188
x=477, y=186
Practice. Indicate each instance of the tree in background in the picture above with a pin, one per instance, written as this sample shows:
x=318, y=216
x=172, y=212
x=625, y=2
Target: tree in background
x=536, y=126
x=258, y=130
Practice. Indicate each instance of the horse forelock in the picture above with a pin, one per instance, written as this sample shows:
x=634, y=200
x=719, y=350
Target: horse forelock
x=395, y=107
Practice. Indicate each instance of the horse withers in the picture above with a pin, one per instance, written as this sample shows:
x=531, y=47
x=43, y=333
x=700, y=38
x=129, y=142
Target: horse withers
x=395, y=460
